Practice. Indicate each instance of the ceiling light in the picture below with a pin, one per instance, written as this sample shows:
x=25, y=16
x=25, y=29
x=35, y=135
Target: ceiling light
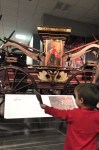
x=21, y=37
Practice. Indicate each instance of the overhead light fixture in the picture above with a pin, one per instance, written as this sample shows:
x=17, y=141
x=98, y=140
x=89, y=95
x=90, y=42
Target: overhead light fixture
x=21, y=37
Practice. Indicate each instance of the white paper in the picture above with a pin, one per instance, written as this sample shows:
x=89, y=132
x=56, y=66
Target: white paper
x=22, y=106
x=27, y=106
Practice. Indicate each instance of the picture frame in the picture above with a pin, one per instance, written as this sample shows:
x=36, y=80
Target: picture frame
x=54, y=50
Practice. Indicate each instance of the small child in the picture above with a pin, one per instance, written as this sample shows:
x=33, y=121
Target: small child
x=83, y=122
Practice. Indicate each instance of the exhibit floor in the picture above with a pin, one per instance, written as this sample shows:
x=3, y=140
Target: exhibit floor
x=44, y=139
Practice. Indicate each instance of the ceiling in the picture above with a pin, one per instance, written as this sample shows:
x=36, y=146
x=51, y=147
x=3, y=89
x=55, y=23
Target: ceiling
x=23, y=16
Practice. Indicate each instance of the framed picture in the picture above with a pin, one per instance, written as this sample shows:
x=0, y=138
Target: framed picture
x=54, y=51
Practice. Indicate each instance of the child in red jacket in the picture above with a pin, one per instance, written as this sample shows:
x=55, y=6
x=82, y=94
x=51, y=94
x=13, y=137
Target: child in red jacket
x=83, y=122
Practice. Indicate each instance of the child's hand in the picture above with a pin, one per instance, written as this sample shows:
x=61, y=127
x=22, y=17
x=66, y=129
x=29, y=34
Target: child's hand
x=43, y=106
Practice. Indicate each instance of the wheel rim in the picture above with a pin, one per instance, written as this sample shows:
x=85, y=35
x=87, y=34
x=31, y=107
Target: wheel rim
x=14, y=80
x=85, y=76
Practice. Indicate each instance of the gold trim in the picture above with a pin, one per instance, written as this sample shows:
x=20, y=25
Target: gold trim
x=54, y=29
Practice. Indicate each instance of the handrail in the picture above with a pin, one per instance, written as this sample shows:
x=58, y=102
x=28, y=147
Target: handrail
x=82, y=51
x=74, y=50
x=25, y=46
x=35, y=54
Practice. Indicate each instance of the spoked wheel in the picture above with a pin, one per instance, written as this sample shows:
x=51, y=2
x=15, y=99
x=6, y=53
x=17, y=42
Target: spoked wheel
x=84, y=76
x=14, y=80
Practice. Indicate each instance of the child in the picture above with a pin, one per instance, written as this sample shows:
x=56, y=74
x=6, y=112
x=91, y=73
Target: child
x=83, y=122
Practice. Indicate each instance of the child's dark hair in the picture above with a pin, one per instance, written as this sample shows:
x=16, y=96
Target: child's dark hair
x=90, y=94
